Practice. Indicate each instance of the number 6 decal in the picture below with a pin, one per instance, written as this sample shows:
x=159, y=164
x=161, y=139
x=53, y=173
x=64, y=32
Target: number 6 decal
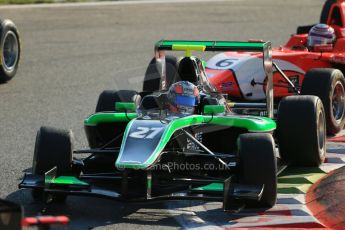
x=145, y=132
x=225, y=63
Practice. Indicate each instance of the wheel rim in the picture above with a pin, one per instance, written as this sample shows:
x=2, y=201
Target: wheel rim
x=322, y=133
x=10, y=51
x=338, y=102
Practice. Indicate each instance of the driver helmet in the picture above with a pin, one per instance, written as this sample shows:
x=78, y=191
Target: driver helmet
x=183, y=96
x=320, y=34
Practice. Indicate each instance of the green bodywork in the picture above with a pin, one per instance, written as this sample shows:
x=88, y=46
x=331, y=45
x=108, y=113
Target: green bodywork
x=214, y=109
x=109, y=117
x=251, y=123
x=218, y=187
x=65, y=180
x=125, y=106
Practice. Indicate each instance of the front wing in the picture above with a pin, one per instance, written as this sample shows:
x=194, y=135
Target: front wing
x=117, y=187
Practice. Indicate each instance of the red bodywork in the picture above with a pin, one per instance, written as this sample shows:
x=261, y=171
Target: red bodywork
x=294, y=57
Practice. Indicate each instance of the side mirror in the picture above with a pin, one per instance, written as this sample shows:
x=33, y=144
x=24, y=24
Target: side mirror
x=214, y=109
x=125, y=106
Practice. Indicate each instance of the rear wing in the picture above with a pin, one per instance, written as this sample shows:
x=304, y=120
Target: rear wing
x=223, y=46
x=220, y=46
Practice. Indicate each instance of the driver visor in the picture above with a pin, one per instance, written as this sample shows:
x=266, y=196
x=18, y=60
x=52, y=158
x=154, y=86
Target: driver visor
x=185, y=100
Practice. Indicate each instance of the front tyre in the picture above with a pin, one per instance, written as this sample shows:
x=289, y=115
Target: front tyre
x=326, y=10
x=329, y=85
x=257, y=165
x=53, y=147
x=10, y=50
x=301, y=130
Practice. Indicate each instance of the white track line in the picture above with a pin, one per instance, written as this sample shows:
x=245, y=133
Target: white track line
x=106, y=3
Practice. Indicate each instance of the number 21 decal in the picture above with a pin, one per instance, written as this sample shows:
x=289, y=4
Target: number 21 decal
x=145, y=132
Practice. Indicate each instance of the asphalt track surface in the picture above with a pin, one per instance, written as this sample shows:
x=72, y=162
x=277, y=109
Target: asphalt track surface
x=70, y=54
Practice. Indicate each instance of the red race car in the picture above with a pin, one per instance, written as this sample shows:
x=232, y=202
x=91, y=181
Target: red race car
x=311, y=62
x=11, y=218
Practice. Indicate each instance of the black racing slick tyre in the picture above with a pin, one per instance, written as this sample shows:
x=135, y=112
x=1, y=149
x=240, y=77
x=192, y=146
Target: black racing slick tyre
x=257, y=165
x=325, y=10
x=329, y=85
x=108, y=98
x=301, y=131
x=53, y=147
x=152, y=77
x=10, y=50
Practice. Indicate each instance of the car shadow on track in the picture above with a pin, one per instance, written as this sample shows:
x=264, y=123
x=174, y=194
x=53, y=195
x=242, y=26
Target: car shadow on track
x=89, y=213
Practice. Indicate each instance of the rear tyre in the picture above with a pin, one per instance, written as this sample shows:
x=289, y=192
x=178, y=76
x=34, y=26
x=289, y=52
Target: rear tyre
x=152, y=77
x=10, y=50
x=257, y=165
x=108, y=98
x=329, y=86
x=325, y=10
x=53, y=147
x=301, y=130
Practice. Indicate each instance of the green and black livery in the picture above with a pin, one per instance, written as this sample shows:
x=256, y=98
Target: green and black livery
x=140, y=152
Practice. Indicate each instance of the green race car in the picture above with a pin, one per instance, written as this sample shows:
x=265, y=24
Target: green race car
x=142, y=150
x=12, y=218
